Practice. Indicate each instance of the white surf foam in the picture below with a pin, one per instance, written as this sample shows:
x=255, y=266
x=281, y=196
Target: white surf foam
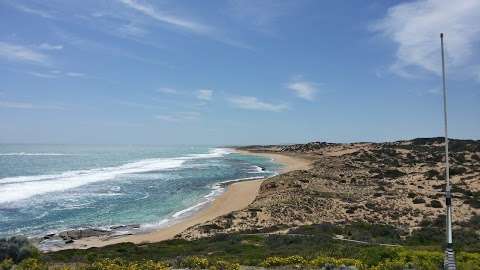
x=217, y=190
x=23, y=187
x=213, y=153
x=256, y=169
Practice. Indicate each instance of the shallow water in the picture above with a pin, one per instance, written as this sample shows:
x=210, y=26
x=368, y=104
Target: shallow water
x=50, y=188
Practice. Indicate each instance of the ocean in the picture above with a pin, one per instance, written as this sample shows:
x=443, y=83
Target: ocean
x=51, y=188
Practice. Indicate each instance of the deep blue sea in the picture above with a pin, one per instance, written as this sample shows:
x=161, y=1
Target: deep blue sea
x=51, y=188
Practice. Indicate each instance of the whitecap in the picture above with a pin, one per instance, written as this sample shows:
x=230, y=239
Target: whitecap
x=23, y=187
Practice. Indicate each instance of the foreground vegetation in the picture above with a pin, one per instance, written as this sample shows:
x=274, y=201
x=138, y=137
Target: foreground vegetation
x=308, y=247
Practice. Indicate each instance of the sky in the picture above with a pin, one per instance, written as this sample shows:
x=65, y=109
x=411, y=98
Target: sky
x=236, y=71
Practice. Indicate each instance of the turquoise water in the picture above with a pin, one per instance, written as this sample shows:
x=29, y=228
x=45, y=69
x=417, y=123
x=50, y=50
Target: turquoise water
x=50, y=188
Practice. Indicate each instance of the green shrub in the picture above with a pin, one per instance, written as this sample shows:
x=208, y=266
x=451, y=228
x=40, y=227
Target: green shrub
x=107, y=264
x=323, y=261
x=428, y=260
x=224, y=265
x=468, y=261
x=281, y=261
x=31, y=264
x=396, y=264
x=6, y=264
x=17, y=248
x=411, y=259
x=195, y=262
x=118, y=264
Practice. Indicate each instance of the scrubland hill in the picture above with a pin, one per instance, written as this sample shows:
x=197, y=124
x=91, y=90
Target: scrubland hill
x=395, y=183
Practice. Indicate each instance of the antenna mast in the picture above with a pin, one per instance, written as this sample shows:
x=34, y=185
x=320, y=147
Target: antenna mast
x=449, y=260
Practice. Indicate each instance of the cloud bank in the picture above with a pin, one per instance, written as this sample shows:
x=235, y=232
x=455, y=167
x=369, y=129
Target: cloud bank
x=414, y=27
x=303, y=89
x=252, y=103
x=15, y=52
x=205, y=94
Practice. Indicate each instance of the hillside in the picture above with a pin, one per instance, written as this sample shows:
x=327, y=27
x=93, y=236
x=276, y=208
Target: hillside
x=367, y=205
x=395, y=183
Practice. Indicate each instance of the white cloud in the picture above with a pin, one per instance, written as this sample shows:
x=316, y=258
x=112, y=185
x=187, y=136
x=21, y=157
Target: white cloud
x=263, y=14
x=34, y=11
x=415, y=27
x=205, y=94
x=53, y=74
x=132, y=30
x=88, y=44
x=49, y=47
x=43, y=75
x=183, y=23
x=303, y=89
x=176, y=21
x=252, y=103
x=134, y=104
x=25, y=105
x=435, y=91
x=21, y=53
x=75, y=74
x=167, y=118
x=15, y=105
x=167, y=90
x=178, y=117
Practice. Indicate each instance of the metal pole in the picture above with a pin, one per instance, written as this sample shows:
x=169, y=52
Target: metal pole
x=449, y=261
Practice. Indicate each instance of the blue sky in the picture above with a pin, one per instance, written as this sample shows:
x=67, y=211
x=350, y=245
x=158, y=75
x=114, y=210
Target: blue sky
x=235, y=71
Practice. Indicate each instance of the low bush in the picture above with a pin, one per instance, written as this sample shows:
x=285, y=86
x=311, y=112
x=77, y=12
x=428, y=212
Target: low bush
x=31, y=264
x=395, y=264
x=329, y=262
x=282, y=261
x=6, y=264
x=118, y=264
x=436, y=204
x=17, y=248
x=195, y=262
x=224, y=265
x=418, y=200
x=468, y=261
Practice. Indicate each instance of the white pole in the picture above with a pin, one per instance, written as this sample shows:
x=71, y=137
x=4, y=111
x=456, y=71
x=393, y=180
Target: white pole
x=449, y=262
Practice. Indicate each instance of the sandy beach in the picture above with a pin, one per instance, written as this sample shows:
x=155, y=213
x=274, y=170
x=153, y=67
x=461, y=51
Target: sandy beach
x=237, y=196
x=289, y=162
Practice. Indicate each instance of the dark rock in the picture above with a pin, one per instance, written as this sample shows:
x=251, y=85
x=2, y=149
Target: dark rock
x=125, y=227
x=418, y=200
x=82, y=233
x=458, y=170
x=432, y=175
x=436, y=204
x=370, y=205
x=393, y=173
x=48, y=236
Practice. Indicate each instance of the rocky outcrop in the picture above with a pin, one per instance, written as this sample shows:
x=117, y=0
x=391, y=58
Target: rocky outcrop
x=82, y=233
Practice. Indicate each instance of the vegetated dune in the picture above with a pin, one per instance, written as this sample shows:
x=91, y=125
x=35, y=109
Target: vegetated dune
x=395, y=183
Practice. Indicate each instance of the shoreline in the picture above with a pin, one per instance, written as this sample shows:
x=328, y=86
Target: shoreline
x=289, y=162
x=237, y=196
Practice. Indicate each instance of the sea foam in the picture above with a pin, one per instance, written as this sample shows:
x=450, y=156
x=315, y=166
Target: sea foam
x=23, y=187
